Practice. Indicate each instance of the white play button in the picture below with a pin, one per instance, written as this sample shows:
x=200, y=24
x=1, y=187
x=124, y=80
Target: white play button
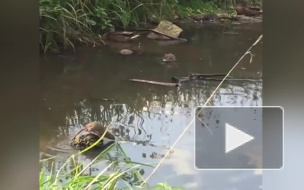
x=235, y=138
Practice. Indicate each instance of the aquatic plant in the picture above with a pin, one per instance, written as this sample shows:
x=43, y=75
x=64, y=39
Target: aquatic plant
x=71, y=174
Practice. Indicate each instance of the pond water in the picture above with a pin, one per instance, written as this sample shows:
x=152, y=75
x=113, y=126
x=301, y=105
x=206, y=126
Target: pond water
x=147, y=119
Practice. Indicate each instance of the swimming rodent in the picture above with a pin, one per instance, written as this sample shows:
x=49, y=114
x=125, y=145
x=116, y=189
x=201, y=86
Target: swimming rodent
x=169, y=57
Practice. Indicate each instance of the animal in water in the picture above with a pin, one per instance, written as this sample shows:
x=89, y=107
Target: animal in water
x=169, y=57
x=206, y=17
x=97, y=129
x=210, y=17
x=243, y=10
x=112, y=36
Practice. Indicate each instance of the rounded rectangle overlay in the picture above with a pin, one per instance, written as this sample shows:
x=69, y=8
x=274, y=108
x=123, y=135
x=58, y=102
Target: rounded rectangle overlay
x=241, y=138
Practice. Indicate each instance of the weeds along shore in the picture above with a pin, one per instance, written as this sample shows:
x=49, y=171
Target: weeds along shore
x=67, y=23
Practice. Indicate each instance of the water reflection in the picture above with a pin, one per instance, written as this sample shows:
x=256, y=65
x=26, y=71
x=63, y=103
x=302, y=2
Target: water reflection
x=147, y=119
x=154, y=120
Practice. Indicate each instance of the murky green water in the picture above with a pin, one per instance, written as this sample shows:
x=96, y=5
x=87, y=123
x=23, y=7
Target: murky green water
x=148, y=118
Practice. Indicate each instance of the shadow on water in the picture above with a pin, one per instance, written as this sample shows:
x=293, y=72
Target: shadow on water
x=148, y=119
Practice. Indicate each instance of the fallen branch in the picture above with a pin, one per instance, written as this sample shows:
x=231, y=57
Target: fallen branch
x=156, y=83
x=195, y=76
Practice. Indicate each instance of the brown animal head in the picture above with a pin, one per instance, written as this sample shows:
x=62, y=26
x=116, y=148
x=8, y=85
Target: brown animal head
x=96, y=129
x=240, y=9
x=169, y=57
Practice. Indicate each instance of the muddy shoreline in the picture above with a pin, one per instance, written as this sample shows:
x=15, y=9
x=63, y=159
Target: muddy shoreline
x=199, y=20
x=126, y=46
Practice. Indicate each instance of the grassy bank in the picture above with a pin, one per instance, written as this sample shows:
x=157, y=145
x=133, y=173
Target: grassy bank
x=66, y=23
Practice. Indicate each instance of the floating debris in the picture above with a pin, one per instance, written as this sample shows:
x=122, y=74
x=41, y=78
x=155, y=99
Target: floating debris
x=167, y=28
x=135, y=36
x=166, y=31
x=84, y=141
x=126, y=52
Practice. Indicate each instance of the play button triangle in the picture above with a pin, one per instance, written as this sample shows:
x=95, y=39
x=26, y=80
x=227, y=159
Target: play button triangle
x=235, y=138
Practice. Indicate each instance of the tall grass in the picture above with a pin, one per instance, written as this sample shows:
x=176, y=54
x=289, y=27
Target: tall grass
x=71, y=174
x=75, y=177
x=65, y=23
x=68, y=22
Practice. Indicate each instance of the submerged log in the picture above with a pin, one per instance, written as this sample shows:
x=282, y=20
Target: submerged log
x=156, y=82
x=176, y=82
x=180, y=80
x=196, y=76
x=212, y=77
x=231, y=79
x=207, y=75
